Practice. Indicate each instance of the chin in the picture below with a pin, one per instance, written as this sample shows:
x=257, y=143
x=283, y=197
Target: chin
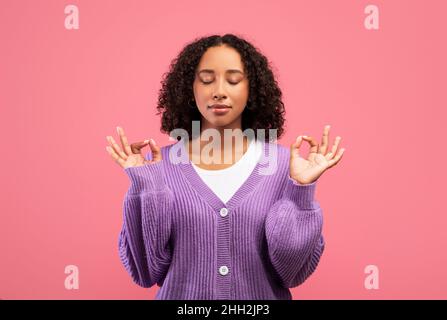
x=219, y=122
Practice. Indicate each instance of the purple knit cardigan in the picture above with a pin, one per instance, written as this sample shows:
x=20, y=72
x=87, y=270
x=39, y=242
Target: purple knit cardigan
x=178, y=234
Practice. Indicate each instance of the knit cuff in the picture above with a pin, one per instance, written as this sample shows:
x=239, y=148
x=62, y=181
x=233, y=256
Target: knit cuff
x=146, y=178
x=301, y=194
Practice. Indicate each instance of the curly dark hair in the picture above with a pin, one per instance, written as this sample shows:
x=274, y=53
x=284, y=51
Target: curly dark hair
x=264, y=110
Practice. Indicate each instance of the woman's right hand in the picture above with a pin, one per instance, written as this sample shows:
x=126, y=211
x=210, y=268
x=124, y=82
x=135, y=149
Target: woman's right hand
x=131, y=156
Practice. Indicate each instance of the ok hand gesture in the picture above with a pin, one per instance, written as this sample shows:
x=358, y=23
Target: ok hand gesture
x=131, y=156
x=306, y=171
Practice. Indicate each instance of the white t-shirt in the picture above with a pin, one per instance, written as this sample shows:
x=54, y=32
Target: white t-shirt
x=225, y=182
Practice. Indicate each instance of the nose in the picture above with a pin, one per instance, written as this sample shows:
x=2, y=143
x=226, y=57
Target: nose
x=219, y=97
x=219, y=94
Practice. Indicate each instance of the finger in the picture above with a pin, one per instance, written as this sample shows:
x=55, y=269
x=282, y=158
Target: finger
x=337, y=158
x=295, y=147
x=324, y=141
x=333, y=152
x=116, y=147
x=124, y=141
x=137, y=146
x=156, y=151
x=313, y=147
x=115, y=156
x=312, y=142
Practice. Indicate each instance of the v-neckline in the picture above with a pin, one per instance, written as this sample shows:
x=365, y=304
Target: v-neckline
x=209, y=196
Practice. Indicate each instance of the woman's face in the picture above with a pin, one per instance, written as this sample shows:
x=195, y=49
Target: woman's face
x=220, y=79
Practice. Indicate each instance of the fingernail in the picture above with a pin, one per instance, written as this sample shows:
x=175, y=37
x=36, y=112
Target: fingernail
x=146, y=141
x=118, y=129
x=153, y=142
x=304, y=136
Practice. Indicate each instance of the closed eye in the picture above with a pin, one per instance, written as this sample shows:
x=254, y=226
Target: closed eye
x=232, y=83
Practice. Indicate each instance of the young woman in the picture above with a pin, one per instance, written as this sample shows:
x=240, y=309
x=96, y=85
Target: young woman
x=219, y=229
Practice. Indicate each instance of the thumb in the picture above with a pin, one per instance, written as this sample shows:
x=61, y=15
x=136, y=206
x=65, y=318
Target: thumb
x=295, y=147
x=156, y=151
x=137, y=146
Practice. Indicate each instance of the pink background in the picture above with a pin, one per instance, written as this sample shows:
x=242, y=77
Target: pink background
x=383, y=91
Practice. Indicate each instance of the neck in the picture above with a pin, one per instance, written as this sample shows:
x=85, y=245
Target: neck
x=234, y=146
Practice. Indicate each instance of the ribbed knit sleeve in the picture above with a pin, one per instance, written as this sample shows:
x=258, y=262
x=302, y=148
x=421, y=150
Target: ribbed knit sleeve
x=144, y=238
x=293, y=229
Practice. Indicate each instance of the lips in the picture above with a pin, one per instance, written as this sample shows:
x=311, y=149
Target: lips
x=219, y=109
x=219, y=106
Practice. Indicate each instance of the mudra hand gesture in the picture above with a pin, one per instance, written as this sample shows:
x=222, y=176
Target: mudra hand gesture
x=305, y=171
x=130, y=155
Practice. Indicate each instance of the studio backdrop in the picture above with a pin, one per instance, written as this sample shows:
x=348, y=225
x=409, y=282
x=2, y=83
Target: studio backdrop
x=72, y=71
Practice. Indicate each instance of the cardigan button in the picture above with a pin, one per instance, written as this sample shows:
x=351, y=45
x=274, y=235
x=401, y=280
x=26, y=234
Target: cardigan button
x=223, y=270
x=223, y=212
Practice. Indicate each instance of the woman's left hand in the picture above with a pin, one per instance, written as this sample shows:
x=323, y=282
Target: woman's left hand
x=318, y=161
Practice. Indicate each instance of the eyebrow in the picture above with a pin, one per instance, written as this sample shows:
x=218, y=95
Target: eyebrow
x=228, y=71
